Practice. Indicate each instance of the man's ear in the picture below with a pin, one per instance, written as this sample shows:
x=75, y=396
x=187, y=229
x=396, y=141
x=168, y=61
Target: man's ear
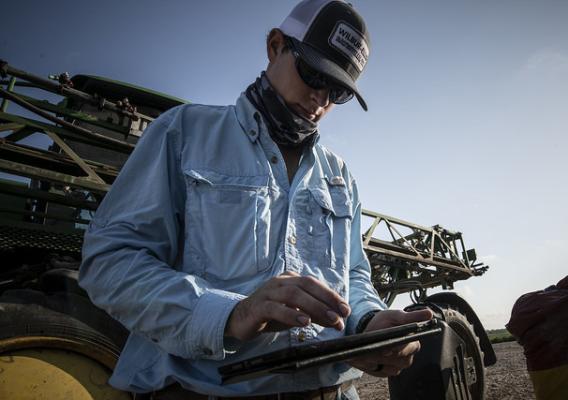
x=274, y=43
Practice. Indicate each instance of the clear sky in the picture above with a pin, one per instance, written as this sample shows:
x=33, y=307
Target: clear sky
x=468, y=107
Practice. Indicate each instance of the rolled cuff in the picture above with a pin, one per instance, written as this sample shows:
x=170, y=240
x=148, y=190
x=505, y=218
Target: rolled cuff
x=208, y=322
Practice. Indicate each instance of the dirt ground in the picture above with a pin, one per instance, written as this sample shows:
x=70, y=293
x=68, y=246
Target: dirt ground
x=506, y=380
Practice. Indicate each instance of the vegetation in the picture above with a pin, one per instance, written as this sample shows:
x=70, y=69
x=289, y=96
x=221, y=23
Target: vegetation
x=500, y=335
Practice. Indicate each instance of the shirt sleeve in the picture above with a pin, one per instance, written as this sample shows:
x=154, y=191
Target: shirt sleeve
x=132, y=252
x=362, y=295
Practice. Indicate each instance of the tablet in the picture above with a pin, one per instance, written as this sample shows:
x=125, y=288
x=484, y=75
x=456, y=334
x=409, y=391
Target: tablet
x=318, y=353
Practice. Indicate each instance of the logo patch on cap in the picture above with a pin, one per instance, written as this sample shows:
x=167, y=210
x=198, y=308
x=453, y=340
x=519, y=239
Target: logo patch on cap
x=351, y=44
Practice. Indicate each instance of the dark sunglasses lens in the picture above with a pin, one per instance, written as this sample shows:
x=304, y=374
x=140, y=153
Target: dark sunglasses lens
x=310, y=76
x=317, y=80
x=340, y=95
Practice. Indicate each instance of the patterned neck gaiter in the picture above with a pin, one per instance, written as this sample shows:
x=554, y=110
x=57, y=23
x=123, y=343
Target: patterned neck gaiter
x=285, y=126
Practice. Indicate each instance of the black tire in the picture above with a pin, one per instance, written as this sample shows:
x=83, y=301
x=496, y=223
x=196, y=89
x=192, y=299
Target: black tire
x=77, y=307
x=464, y=329
x=446, y=364
x=26, y=326
x=32, y=320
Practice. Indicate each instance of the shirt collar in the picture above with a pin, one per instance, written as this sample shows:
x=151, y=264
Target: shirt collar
x=249, y=118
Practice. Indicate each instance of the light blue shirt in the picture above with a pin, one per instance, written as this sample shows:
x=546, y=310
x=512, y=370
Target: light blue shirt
x=203, y=214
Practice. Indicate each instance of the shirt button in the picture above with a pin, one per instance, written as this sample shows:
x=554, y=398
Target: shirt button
x=274, y=159
x=252, y=132
x=292, y=240
x=207, y=352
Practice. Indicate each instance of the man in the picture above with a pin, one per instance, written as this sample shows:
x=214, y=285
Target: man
x=231, y=232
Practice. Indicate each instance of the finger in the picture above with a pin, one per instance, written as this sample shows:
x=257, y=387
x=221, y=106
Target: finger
x=321, y=292
x=274, y=326
x=281, y=315
x=414, y=316
x=384, y=372
x=387, y=367
x=408, y=350
x=402, y=350
x=399, y=362
x=369, y=361
x=374, y=367
x=296, y=297
x=399, y=358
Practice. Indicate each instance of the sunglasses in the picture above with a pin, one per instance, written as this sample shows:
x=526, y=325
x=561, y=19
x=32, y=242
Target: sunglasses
x=317, y=80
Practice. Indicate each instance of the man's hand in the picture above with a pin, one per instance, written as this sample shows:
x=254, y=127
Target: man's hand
x=286, y=301
x=391, y=361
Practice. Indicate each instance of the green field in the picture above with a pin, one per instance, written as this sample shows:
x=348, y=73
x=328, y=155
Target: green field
x=499, y=335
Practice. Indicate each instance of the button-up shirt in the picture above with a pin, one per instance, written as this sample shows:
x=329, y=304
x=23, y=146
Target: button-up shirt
x=202, y=215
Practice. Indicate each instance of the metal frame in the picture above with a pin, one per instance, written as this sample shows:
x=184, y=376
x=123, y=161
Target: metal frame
x=72, y=181
x=426, y=257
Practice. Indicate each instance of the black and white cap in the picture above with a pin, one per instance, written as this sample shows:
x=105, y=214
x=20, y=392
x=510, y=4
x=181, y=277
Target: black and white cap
x=332, y=38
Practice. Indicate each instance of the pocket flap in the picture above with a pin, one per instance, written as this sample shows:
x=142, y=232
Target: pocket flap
x=333, y=198
x=220, y=180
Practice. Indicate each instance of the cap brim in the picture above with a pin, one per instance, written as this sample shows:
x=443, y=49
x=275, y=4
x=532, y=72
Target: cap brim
x=322, y=64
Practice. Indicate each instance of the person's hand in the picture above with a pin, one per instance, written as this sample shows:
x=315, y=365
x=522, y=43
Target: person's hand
x=392, y=361
x=286, y=301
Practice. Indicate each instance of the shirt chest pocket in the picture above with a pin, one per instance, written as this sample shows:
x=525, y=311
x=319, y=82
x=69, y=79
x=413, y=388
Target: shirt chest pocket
x=330, y=228
x=226, y=224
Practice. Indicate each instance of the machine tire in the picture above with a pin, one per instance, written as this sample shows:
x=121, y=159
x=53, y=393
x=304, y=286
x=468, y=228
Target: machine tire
x=442, y=370
x=465, y=330
x=76, y=306
x=44, y=345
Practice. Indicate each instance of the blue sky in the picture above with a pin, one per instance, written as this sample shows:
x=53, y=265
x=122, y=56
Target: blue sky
x=467, y=124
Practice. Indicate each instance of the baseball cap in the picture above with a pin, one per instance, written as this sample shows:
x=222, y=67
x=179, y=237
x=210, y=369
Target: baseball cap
x=332, y=38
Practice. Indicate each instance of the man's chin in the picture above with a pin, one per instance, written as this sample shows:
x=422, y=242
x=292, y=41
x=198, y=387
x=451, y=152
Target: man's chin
x=305, y=115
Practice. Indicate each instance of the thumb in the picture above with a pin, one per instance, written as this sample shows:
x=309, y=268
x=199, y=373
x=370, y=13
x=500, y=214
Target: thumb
x=416, y=316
